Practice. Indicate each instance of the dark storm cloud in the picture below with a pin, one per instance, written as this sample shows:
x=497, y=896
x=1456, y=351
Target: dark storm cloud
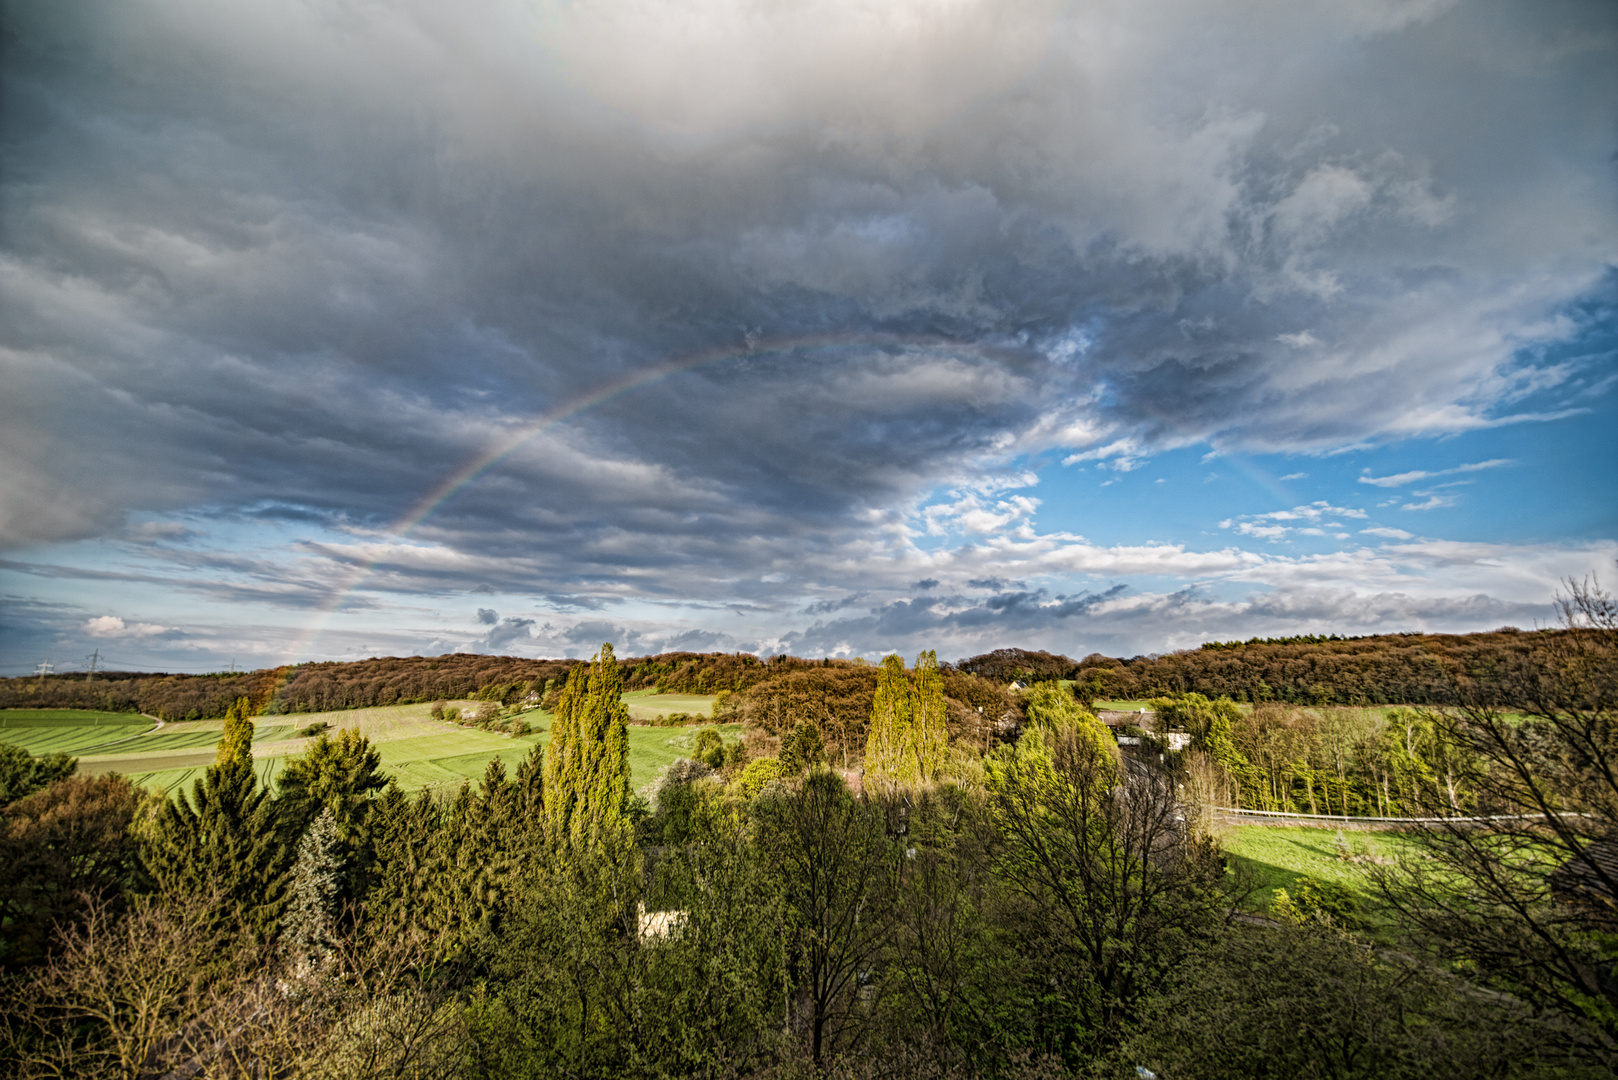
x=306, y=261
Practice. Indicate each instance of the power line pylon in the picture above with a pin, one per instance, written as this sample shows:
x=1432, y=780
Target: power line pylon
x=92, y=660
x=45, y=668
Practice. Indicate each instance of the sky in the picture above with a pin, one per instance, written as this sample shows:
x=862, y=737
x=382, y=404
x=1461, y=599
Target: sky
x=346, y=328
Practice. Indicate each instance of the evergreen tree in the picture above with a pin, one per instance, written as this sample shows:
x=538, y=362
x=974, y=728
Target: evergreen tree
x=22, y=774
x=586, y=782
x=449, y=867
x=316, y=892
x=223, y=841
x=338, y=773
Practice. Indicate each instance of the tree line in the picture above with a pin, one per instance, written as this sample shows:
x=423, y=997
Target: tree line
x=1410, y=669
x=1396, y=669
x=1048, y=906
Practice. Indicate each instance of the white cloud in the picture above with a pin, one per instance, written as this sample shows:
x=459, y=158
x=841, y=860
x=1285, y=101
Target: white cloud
x=1401, y=479
x=1386, y=533
x=112, y=626
x=1315, y=513
x=1435, y=502
x=972, y=514
x=1123, y=455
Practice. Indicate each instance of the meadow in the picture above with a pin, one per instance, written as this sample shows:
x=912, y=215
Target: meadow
x=1279, y=856
x=417, y=751
x=647, y=705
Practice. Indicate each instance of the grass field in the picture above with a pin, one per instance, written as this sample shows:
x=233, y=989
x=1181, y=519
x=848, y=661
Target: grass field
x=646, y=704
x=416, y=750
x=1277, y=856
x=44, y=731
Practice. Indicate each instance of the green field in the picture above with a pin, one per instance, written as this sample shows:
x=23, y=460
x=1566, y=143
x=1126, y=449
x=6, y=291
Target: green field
x=416, y=750
x=44, y=731
x=646, y=704
x=1277, y=856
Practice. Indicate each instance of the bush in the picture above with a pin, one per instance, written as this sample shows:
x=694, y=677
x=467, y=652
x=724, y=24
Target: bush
x=1321, y=902
x=709, y=748
x=758, y=773
x=312, y=730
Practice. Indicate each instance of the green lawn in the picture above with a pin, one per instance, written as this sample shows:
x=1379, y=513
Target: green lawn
x=416, y=750
x=1277, y=856
x=1123, y=706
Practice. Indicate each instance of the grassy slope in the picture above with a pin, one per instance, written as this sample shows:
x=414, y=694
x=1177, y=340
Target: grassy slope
x=417, y=750
x=44, y=731
x=1277, y=856
x=22, y=718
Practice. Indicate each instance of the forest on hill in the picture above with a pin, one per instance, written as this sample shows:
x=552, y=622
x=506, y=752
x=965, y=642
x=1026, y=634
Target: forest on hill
x=1414, y=669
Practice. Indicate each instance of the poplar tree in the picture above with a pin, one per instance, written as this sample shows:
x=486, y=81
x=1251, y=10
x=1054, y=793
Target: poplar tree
x=586, y=783
x=236, y=742
x=929, y=725
x=909, y=734
x=885, y=756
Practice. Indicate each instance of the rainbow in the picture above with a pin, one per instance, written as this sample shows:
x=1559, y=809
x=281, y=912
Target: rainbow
x=501, y=448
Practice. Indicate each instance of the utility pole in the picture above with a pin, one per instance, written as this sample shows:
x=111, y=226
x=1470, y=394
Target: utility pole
x=92, y=661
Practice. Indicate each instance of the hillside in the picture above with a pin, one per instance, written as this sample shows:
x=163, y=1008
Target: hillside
x=1389, y=668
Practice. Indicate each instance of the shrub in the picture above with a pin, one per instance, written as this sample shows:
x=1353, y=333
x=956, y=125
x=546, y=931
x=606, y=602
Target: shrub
x=1322, y=902
x=709, y=748
x=758, y=773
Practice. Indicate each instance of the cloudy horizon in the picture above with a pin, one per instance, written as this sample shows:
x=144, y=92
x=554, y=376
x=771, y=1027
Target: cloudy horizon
x=340, y=329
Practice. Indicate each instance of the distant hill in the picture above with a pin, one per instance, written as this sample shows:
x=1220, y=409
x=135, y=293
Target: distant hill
x=1315, y=669
x=1414, y=669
